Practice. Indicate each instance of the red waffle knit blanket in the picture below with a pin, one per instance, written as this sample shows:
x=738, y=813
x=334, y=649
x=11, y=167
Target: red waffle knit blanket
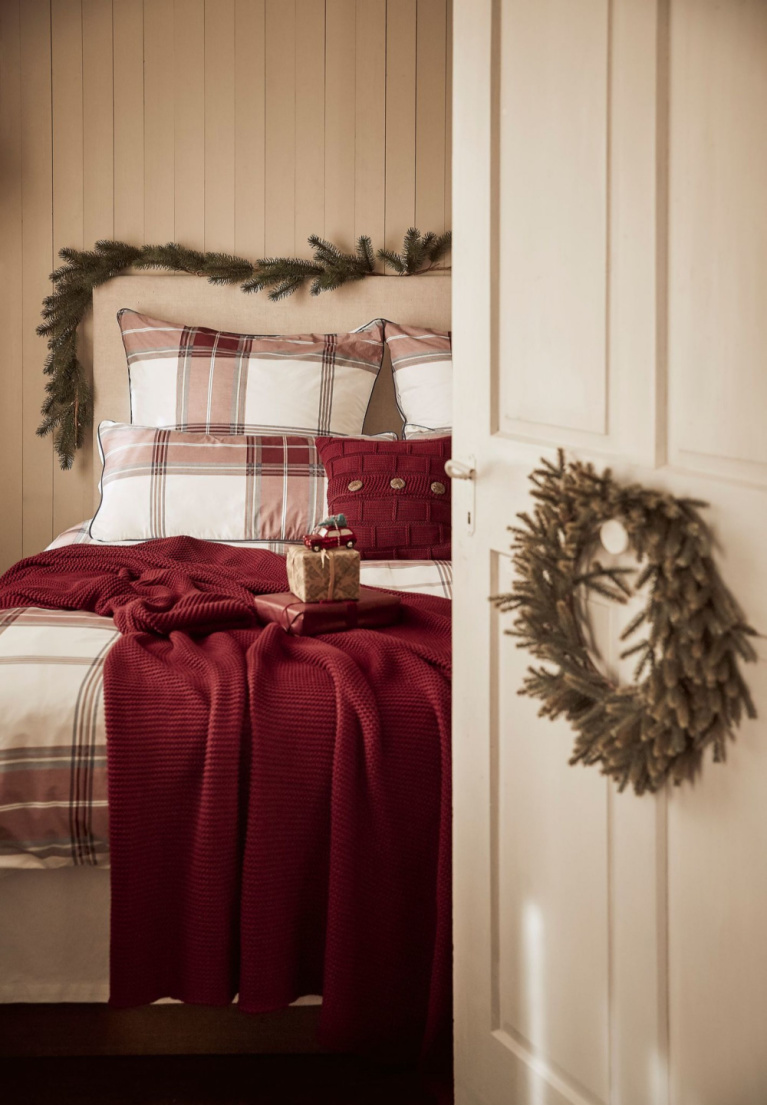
x=279, y=806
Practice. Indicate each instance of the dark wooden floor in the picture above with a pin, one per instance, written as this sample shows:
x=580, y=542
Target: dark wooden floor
x=210, y=1079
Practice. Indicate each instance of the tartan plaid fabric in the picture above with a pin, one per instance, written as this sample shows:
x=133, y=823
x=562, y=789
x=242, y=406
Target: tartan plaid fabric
x=53, y=784
x=200, y=379
x=422, y=361
x=157, y=483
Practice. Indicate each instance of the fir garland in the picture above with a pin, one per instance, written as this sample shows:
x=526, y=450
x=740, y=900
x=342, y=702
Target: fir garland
x=68, y=407
x=689, y=693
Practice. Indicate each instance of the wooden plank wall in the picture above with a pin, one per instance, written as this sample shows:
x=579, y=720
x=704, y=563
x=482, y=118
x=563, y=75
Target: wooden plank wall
x=239, y=125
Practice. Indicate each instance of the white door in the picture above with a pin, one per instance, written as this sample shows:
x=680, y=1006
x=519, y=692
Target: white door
x=610, y=296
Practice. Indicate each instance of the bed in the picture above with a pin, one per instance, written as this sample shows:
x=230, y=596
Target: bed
x=54, y=884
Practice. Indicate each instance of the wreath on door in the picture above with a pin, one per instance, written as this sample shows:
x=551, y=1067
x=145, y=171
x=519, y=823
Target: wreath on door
x=688, y=692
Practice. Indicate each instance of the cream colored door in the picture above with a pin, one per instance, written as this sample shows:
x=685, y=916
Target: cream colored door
x=610, y=296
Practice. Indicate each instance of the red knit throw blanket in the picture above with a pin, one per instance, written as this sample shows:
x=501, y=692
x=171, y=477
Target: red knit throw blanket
x=279, y=806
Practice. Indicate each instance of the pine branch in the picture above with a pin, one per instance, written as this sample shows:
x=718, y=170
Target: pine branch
x=419, y=252
x=68, y=407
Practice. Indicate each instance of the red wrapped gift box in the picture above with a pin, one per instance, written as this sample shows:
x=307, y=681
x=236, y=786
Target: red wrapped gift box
x=373, y=608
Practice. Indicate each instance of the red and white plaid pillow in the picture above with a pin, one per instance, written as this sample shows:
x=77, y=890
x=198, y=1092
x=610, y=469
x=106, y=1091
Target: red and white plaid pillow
x=422, y=362
x=195, y=378
x=266, y=488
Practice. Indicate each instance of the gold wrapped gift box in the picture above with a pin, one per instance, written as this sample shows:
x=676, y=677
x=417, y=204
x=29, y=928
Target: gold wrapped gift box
x=331, y=574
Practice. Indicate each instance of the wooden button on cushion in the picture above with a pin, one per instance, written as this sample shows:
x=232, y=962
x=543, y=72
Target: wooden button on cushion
x=438, y=488
x=354, y=485
x=397, y=483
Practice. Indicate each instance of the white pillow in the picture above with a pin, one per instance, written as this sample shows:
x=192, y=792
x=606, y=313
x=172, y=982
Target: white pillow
x=195, y=378
x=422, y=361
x=412, y=431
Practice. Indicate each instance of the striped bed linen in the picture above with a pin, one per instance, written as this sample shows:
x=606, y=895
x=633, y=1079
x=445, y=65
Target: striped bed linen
x=53, y=783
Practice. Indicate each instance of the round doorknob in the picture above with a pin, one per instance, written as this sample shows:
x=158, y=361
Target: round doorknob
x=457, y=470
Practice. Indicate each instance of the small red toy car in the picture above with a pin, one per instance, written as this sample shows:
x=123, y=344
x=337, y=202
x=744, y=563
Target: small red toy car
x=332, y=533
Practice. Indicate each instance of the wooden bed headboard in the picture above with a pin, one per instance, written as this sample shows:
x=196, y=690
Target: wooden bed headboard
x=420, y=301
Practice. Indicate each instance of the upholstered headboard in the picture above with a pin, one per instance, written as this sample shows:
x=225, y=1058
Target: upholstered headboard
x=423, y=301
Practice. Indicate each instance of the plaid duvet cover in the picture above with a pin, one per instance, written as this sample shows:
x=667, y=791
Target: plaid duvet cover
x=53, y=781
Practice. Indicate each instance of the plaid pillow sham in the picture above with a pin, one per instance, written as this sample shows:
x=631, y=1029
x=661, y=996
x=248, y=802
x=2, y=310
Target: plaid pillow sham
x=199, y=379
x=266, y=488
x=422, y=361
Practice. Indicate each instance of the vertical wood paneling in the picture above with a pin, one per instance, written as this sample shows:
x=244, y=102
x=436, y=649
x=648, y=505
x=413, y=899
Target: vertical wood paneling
x=249, y=61
x=189, y=123
x=68, y=195
x=37, y=239
x=430, y=115
x=241, y=125
x=98, y=171
x=11, y=258
x=98, y=180
x=340, y=80
x=128, y=39
x=449, y=117
x=310, y=122
x=219, y=125
x=400, y=119
x=159, y=129
x=370, y=127
x=280, y=76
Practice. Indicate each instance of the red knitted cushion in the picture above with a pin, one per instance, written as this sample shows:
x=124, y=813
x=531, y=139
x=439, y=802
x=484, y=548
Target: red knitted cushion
x=395, y=495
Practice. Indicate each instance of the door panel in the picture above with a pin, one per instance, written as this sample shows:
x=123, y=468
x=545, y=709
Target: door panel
x=553, y=226
x=609, y=256
x=718, y=237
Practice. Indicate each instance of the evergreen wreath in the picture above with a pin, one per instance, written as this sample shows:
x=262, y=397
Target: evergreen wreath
x=68, y=407
x=688, y=692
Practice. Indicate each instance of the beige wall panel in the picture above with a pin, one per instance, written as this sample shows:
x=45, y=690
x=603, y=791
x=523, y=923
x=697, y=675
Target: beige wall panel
x=98, y=179
x=68, y=209
x=11, y=260
x=159, y=151
x=449, y=117
x=718, y=237
x=189, y=124
x=400, y=119
x=36, y=162
x=98, y=146
x=370, y=128
x=219, y=125
x=128, y=40
x=311, y=50
x=430, y=116
x=249, y=62
x=340, y=81
x=279, y=217
x=203, y=122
